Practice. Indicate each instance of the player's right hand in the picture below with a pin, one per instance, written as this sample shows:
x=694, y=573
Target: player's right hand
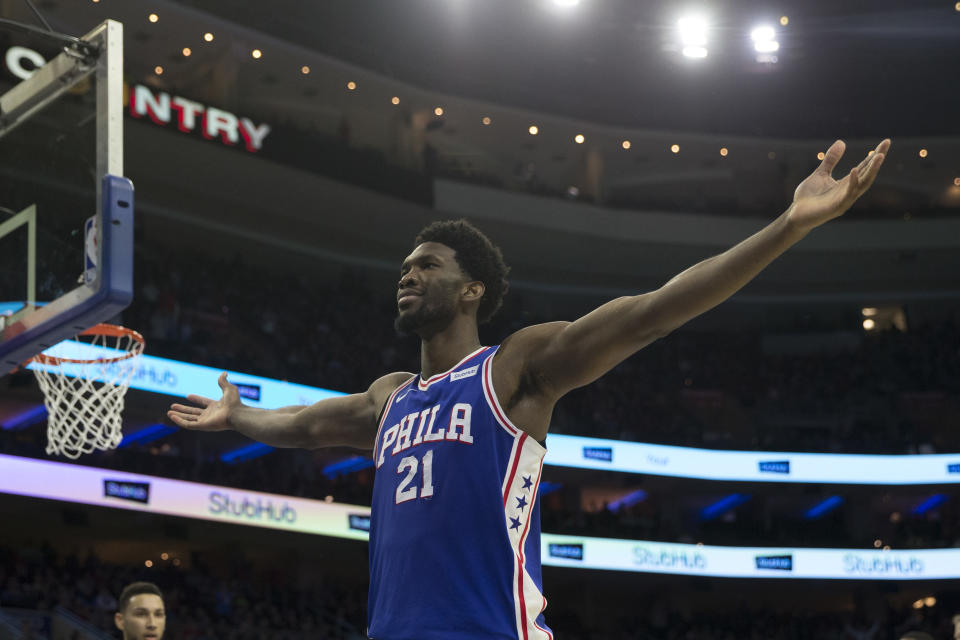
x=210, y=415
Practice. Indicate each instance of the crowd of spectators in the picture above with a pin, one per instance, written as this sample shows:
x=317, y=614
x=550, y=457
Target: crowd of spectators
x=891, y=392
x=201, y=603
x=238, y=602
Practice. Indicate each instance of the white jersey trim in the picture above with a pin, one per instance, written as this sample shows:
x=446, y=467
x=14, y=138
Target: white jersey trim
x=423, y=385
x=386, y=410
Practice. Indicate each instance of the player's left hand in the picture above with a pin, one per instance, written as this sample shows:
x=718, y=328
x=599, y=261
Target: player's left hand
x=820, y=198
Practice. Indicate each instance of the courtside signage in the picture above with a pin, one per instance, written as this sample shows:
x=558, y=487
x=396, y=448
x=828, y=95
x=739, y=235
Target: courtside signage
x=175, y=378
x=136, y=492
x=106, y=488
x=753, y=562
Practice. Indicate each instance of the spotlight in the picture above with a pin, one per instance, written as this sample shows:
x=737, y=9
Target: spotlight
x=304, y=69
x=626, y=145
x=579, y=138
x=486, y=120
x=351, y=85
x=438, y=111
x=257, y=54
x=186, y=52
x=784, y=21
x=923, y=153
x=533, y=130
x=158, y=70
x=724, y=151
x=208, y=37
x=764, y=39
x=675, y=148
x=869, y=324
x=693, y=36
x=153, y=17
x=395, y=100
x=821, y=155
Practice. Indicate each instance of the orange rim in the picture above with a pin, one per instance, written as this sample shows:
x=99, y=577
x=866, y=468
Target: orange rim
x=109, y=330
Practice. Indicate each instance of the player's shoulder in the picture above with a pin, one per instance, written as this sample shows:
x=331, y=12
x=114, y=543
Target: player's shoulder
x=530, y=339
x=388, y=384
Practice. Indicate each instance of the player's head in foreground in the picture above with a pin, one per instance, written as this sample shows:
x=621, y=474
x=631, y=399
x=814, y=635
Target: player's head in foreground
x=140, y=612
x=454, y=275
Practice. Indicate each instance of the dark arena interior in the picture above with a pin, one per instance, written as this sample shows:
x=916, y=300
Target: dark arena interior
x=783, y=465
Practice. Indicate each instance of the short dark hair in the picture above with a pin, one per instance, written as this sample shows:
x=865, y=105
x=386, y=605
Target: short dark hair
x=136, y=589
x=479, y=258
x=916, y=635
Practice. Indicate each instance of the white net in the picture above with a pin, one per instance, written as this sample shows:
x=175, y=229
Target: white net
x=84, y=382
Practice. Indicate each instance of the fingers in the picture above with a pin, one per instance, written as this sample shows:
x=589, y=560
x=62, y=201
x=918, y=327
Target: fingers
x=832, y=156
x=181, y=419
x=200, y=400
x=222, y=381
x=182, y=408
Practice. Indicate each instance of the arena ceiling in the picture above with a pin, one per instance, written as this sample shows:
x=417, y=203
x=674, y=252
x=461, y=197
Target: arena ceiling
x=852, y=68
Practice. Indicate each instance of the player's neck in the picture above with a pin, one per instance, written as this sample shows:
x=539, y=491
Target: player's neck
x=441, y=351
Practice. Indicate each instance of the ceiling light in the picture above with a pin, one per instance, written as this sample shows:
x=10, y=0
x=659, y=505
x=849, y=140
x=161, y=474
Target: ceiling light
x=956, y=182
x=395, y=100
x=438, y=111
x=923, y=153
x=723, y=151
x=533, y=130
x=930, y=601
x=579, y=138
x=784, y=21
x=257, y=54
x=625, y=144
x=869, y=324
x=351, y=85
x=693, y=36
x=821, y=155
x=186, y=52
x=486, y=121
x=153, y=17
x=148, y=563
x=869, y=312
x=208, y=37
x=304, y=69
x=158, y=70
x=695, y=52
x=675, y=148
x=764, y=39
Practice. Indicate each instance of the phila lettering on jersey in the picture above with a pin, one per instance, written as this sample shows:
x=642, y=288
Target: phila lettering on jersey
x=455, y=520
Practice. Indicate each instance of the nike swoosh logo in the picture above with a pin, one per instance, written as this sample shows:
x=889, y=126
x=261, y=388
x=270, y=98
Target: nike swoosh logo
x=402, y=396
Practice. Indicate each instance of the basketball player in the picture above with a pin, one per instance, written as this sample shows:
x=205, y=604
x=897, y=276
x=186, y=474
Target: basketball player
x=140, y=612
x=458, y=448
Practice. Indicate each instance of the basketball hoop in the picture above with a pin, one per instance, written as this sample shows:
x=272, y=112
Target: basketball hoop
x=84, y=395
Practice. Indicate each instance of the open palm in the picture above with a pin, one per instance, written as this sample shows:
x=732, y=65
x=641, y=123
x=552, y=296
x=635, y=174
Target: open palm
x=210, y=415
x=820, y=198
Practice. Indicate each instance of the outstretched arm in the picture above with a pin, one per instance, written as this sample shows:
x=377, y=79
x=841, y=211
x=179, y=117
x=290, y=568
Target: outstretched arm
x=349, y=421
x=563, y=356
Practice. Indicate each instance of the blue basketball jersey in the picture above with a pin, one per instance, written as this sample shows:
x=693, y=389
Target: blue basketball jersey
x=455, y=521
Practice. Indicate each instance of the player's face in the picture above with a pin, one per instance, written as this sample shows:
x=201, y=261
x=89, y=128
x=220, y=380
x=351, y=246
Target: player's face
x=429, y=287
x=143, y=619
